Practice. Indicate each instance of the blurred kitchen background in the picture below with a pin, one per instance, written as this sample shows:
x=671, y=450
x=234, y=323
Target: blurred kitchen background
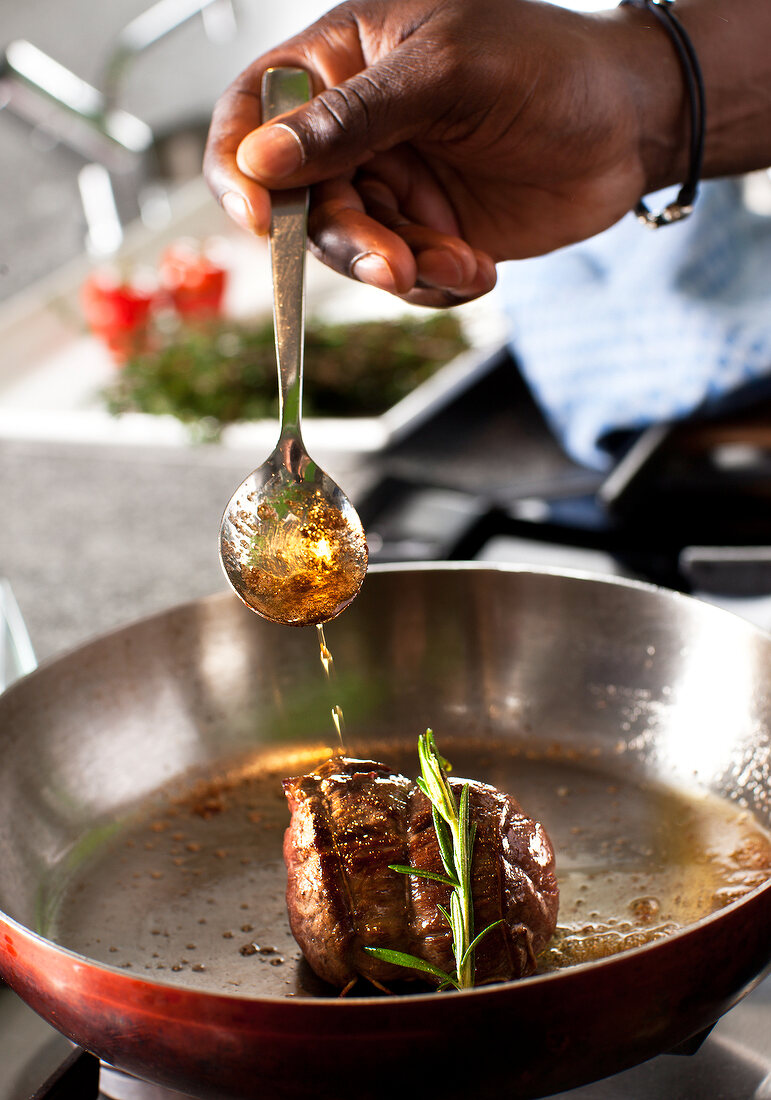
x=96, y=531
x=167, y=70
x=103, y=521
x=107, y=519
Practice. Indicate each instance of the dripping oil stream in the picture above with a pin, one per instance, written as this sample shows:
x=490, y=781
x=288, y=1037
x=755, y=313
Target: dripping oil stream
x=328, y=664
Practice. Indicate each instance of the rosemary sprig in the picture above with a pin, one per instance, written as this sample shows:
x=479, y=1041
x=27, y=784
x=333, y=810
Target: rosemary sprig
x=455, y=834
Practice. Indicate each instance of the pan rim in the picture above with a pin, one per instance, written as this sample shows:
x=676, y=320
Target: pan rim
x=299, y=1002
x=226, y=595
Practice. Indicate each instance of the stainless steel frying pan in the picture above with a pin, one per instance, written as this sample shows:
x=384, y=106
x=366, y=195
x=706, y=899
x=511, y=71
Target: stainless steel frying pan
x=141, y=819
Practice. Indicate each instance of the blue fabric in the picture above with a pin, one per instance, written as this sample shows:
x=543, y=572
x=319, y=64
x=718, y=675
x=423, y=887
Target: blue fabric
x=637, y=326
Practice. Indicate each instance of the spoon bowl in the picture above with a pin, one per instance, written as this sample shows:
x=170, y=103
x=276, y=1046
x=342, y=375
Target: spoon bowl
x=291, y=543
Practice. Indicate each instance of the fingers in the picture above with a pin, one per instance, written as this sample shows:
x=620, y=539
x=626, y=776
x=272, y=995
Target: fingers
x=247, y=202
x=360, y=104
x=436, y=298
x=346, y=239
x=361, y=232
x=343, y=126
x=441, y=260
x=393, y=226
x=371, y=231
x=328, y=50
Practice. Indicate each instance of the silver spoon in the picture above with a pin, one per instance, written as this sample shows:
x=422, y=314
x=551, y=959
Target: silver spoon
x=291, y=543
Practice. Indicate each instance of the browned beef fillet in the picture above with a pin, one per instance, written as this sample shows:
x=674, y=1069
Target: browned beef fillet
x=351, y=819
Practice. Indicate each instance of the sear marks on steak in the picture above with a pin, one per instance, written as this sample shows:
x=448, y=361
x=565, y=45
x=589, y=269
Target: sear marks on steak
x=351, y=819
x=348, y=823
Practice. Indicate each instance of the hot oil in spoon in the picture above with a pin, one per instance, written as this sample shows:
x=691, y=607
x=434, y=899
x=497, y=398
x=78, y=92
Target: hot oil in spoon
x=296, y=558
x=328, y=664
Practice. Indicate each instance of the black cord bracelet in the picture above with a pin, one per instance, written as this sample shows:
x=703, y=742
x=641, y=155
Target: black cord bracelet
x=686, y=196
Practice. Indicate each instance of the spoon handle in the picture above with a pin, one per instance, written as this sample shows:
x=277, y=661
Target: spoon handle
x=283, y=90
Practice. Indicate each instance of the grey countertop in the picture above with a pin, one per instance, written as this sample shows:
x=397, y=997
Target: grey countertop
x=94, y=537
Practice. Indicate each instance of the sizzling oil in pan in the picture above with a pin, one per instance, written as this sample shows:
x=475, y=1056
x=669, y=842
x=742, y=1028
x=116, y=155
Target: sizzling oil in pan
x=192, y=890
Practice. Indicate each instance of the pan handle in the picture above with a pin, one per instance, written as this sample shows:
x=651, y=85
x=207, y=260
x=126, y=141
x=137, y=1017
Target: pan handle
x=17, y=656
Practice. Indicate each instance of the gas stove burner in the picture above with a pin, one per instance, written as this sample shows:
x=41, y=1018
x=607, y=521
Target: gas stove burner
x=114, y=1084
x=684, y=505
x=81, y=1076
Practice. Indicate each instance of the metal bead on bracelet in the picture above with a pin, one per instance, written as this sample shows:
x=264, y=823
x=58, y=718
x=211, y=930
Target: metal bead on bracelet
x=686, y=196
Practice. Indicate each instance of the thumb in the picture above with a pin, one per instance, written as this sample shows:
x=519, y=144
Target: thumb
x=342, y=127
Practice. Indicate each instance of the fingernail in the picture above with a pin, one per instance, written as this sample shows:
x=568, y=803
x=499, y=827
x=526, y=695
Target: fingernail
x=236, y=208
x=371, y=268
x=440, y=268
x=486, y=270
x=271, y=152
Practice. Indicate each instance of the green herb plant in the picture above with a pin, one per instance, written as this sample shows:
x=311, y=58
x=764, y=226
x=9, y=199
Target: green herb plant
x=209, y=375
x=455, y=834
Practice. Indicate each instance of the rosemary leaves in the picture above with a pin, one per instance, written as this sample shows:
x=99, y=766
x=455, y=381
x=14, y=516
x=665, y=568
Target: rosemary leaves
x=455, y=834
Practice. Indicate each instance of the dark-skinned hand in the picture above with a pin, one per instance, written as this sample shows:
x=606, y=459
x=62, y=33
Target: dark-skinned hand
x=447, y=135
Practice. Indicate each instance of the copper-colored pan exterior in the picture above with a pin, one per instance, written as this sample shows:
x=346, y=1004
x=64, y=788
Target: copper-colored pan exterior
x=507, y=651
x=525, y=1040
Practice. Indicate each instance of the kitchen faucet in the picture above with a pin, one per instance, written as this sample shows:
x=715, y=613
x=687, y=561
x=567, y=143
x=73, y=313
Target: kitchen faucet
x=89, y=120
